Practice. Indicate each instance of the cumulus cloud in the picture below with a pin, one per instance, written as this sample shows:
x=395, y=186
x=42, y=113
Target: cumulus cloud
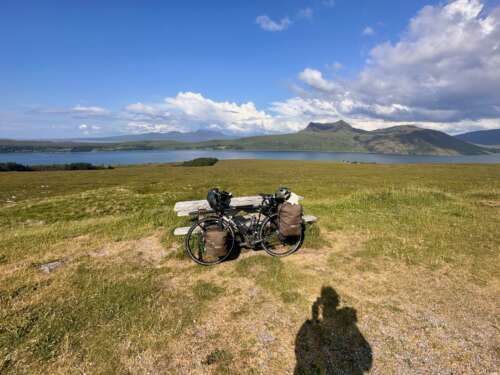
x=444, y=69
x=314, y=78
x=192, y=111
x=268, y=24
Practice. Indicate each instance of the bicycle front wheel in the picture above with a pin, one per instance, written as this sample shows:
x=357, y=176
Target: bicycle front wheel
x=273, y=242
x=195, y=241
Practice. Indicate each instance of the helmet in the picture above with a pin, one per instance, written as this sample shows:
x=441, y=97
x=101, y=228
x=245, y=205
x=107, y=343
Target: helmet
x=218, y=200
x=282, y=193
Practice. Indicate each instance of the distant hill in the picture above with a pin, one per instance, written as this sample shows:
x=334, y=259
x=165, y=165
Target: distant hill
x=196, y=136
x=338, y=126
x=342, y=137
x=481, y=137
x=338, y=136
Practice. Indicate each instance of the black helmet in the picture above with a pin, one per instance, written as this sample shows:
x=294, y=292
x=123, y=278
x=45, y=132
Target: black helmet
x=283, y=193
x=218, y=200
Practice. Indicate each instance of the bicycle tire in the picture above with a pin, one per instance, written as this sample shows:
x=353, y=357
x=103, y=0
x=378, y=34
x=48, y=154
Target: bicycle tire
x=209, y=221
x=268, y=223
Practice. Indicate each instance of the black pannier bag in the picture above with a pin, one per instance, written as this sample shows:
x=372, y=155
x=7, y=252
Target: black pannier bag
x=290, y=219
x=215, y=242
x=219, y=200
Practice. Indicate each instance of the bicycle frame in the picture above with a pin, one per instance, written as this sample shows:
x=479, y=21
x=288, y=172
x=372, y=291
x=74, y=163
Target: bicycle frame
x=249, y=233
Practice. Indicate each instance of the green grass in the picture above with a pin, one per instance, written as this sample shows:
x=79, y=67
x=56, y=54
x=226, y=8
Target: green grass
x=427, y=215
x=273, y=275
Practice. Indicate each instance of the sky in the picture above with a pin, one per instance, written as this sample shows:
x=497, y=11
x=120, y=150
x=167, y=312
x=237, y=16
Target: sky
x=72, y=69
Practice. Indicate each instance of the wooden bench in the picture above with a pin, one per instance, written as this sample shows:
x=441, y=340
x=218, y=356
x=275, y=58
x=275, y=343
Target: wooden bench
x=189, y=208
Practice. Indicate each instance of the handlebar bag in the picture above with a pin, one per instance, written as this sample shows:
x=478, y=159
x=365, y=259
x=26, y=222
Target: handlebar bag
x=290, y=219
x=215, y=243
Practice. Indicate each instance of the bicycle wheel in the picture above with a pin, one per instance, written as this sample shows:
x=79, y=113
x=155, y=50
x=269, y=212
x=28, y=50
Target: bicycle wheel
x=195, y=241
x=275, y=244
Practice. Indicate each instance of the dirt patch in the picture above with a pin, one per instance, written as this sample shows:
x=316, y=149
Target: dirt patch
x=147, y=249
x=491, y=203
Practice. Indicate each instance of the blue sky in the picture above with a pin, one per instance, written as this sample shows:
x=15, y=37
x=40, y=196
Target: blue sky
x=69, y=69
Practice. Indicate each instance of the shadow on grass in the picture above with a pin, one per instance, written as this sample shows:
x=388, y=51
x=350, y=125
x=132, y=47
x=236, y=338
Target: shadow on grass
x=330, y=342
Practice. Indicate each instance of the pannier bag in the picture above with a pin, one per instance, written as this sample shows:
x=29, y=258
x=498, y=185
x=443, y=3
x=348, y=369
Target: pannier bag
x=219, y=200
x=215, y=243
x=290, y=219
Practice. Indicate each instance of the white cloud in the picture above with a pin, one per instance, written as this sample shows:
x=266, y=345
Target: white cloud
x=368, y=31
x=192, y=111
x=306, y=13
x=314, y=78
x=443, y=70
x=88, y=129
x=148, y=127
x=91, y=110
x=268, y=24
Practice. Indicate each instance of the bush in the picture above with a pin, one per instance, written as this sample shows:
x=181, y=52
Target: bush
x=200, y=162
x=10, y=167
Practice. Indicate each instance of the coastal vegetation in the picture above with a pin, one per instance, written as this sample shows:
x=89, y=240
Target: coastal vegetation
x=199, y=162
x=16, y=167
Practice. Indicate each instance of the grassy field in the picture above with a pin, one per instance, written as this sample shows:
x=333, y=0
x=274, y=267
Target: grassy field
x=400, y=274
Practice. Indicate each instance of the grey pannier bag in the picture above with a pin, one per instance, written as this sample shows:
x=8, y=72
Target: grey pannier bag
x=215, y=243
x=290, y=219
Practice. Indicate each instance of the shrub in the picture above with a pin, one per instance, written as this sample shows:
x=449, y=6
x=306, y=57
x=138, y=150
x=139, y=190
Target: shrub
x=9, y=167
x=200, y=162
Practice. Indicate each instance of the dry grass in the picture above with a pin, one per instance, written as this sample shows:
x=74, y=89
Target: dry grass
x=411, y=252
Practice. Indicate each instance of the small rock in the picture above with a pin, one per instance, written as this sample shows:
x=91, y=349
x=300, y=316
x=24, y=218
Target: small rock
x=49, y=267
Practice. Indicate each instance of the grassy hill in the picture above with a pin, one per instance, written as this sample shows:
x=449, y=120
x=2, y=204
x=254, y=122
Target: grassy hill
x=341, y=137
x=196, y=136
x=338, y=136
x=482, y=137
x=10, y=146
x=405, y=259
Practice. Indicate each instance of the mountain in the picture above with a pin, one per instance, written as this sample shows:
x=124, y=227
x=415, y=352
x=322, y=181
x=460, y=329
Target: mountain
x=338, y=136
x=196, y=136
x=331, y=127
x=481, y=137
x=342, y=137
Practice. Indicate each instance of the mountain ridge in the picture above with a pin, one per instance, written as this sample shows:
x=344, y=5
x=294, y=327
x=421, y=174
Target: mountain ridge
x=200, y=135
x=332, y=137
x=342, y=137
x=489, y=137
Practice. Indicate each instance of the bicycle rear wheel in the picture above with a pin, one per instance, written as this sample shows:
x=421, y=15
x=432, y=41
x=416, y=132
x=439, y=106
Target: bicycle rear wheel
x=195, y=241
x=274, y=243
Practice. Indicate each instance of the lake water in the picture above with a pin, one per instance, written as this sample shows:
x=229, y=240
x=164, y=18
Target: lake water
x=165, y=156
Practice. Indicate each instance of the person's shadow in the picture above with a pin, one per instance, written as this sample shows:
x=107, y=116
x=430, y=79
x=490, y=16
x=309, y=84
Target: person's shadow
x=330, y=342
